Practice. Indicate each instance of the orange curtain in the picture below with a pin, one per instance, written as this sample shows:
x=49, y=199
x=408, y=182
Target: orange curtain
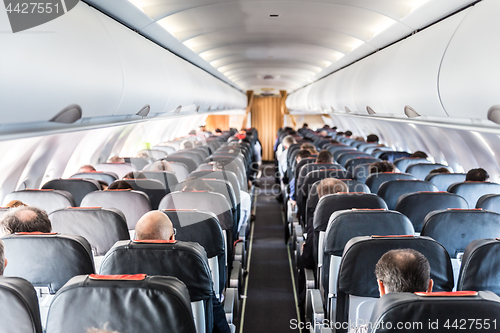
x=267, y=118
x=217, y=121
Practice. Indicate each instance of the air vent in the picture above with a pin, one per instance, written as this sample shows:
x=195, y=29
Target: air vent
x=370, y=110
x=68, y=115
x=268, y=77
x=144, y=111
x=494, y=114
x=410, y=112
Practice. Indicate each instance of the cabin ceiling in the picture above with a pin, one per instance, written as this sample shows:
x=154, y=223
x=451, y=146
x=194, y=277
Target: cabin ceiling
x=242, y=43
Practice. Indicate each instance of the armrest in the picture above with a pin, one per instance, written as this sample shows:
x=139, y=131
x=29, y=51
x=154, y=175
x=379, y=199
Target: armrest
x=231, y=304
x=310, y=280
x=239, y=251
x=235, y=276
x=299, y=232
x=314, y=307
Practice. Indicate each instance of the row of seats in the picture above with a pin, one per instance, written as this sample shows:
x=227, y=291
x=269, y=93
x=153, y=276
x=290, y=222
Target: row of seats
x=426, y=212
x=201, y=257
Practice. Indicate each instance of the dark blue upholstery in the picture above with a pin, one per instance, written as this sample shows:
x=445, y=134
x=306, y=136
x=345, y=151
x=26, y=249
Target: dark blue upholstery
x=375, y=180
x=391, y=190
x=472, y=191
x=421, y=170
x=444, y=180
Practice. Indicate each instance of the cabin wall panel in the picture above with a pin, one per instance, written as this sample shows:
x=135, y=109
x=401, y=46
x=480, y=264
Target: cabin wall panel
x=468, y=80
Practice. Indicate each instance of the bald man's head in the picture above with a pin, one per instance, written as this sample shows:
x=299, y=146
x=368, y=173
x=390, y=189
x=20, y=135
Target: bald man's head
x=154, y=225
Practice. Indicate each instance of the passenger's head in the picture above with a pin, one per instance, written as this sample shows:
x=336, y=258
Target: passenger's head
x=419, y=154
x=382, y=166
x=323, y=133
x=305, y=125
x=324, y=156
x=120, y=185
x=26, y=219
x=154, y=225
x=15, y=203
x=86, y=168
x=309, y=146
x=440, y=170
x=186, y=144
x=3, y=261
x=159, y=166
x=331, y=186
x=347, y=134
x=302, y=154
x=372, y=138
x=104, y=185
x=218, y=130
x=403, y=270
x=116, y=159
x=288, y=141
x=134, y=175
x=477, y=175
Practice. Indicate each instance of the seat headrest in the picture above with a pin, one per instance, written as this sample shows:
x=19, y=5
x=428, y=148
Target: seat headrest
x=472, y=191
x=208, y=201
x=489, y=202
x=421, y=170
x=436, y=312
x=133, y=204
x=102, y=227
x=201, y=227
x=391, y=190
x=125, y=305
x=48, y=200
x=361, y=254
x=376, y=179
x=47, y=260
x=331, y=203
x=479, y=270
x=76, y=186
x=19, y=310
x=186, y=261
x=455, y=229
x=347, y=224
x=417, y=205
x=444, y=180
x=107, y=177
x=120, y=169
x=403, y=163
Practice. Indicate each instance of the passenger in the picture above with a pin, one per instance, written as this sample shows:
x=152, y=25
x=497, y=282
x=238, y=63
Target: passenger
x=155, y=225
x=116, y=159
x=186, y=144
x=401, y=271
x=134, y=175
x=419, y=154
x=309, y=146
x=305, y=125
x=282, y=159
x=382, y=166
x=477, y=175
x=300, y=155
x=86, y=168
x=306, y=259
x=104, y=185
x=159, y=166
x=440, y=170
x=372, y=138
x=26, y=219
x=218, y=131
x=324, y=157
x=348, y=134
x=120, y=185
x=3, y=261
x=15, y=203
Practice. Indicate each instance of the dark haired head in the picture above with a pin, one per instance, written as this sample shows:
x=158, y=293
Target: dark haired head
x=134, y=175
x=477, y=175
x=382, y=166
x=440, y=170
x=26, y=219
x=218, y=130
x=403, y=270
x=419, y=154
x=372, y=138
x=120, y=185
x=303, y=153
x=305, y=125
x=348, y=133
x=324, y=156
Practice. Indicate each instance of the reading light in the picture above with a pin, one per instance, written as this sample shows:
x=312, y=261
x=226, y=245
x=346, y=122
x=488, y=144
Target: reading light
x=494, y=114
x=68, y=115
x=370, y=110
x=178, y=110
x=144, y=111
x=410, y=112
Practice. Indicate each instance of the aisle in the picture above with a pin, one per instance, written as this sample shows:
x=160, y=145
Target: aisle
x=270, y=304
